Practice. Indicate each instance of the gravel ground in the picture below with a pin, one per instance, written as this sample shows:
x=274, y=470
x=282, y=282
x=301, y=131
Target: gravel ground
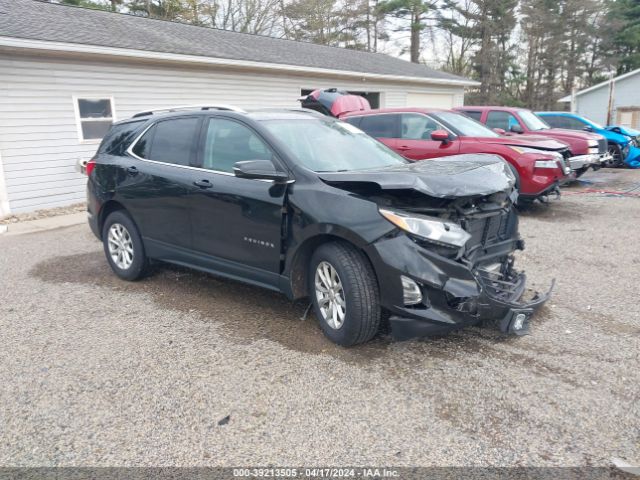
x=96, y=371
x=38, y=214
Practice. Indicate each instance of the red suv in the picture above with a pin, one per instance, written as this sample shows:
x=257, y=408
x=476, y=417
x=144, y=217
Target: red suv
x=420, y=133
x=587, y=149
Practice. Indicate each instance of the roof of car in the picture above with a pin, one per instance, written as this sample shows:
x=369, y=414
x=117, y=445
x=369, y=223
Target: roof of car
x=395, y=110
x=255, y=114
x=490, y=107
x=51, y=22
x=557, y=113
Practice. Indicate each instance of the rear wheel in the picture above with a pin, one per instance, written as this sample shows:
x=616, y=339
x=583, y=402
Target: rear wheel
x=616, y=156
x=123, y=246
x=344, y=294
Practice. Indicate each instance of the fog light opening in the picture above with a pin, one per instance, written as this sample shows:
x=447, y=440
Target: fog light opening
x=411, y=293
x=519, y=322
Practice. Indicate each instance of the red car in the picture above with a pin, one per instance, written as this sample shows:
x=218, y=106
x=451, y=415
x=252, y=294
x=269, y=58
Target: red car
x=419, y=133
x=587, y=149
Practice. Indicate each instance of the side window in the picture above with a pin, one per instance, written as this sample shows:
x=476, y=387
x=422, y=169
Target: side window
x=418, y=127
x=228, y=142
x=554, y=120
x=574, y=123
x=175, y=140
x=503, y=120
x=170, y=141
x=384, y=126
x=473, y=114
x=118, y=137
x=142, y=148
x=355, y=121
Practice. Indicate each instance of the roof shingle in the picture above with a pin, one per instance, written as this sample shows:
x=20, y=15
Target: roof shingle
x=36, y=20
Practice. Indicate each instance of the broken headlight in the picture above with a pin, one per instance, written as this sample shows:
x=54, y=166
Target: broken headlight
x=429, y=228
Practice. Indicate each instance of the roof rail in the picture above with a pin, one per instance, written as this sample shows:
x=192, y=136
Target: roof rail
x=230, y=108
x=290, y=109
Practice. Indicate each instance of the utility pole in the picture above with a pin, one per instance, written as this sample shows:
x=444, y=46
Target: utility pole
x=612, y=87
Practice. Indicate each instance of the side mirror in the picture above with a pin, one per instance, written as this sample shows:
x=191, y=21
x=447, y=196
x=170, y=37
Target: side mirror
x=500, y=131
x=440, y=136
x=516, y=129
x=588, y=128
x=260, y=170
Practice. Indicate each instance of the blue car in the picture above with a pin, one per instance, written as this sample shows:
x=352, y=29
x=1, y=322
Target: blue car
x=623, y=141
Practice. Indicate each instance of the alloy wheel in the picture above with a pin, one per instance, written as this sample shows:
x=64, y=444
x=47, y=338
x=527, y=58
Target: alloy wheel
x=616, y=157
x=120, y=246
x=330, y=295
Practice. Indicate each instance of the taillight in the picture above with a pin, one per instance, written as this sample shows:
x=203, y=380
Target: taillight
x=90, y=166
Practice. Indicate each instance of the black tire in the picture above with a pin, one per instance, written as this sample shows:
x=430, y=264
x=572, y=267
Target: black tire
x=515, y=174
x=616, y=153
x=362, y=311
x=139, y=263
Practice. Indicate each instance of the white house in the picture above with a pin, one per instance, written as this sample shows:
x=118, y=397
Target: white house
x=624, y=93
x=66, y=73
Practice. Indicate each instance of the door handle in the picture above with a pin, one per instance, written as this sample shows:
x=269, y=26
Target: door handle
x=203, y=184
x=132, y=171
x=403, y=147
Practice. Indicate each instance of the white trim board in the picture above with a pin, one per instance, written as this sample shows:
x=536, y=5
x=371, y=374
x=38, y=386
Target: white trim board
x=21, y=43
x=4, y=196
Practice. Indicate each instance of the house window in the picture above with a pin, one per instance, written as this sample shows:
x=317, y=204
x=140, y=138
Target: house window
x=94, y=117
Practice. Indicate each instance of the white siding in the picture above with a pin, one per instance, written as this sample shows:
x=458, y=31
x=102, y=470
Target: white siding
x=594, y=104
x=39, y=142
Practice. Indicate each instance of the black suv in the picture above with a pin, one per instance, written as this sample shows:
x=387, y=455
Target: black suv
x=310, y=206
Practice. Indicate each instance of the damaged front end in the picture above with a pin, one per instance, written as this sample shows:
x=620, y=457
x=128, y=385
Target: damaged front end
x=450, y=261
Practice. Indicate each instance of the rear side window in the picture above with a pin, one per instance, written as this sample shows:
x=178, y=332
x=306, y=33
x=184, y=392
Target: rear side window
x=384, y=126
x=119, y=137
x=355, y=121
x=559, y=121
x=473, y=114
x=170, y=141
x=554, y=121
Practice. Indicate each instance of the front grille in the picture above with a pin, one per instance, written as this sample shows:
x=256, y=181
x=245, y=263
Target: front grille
x=490, y=230
x=602, y=146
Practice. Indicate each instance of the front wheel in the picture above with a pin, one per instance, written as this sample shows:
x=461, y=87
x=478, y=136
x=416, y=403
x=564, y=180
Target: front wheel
x=344, y=294
x=123, y=246
x=616, y=156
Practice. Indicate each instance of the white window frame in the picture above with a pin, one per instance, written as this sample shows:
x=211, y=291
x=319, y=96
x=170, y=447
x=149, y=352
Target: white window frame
x=76, y=109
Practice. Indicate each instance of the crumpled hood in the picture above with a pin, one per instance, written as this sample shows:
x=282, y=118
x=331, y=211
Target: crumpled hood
x=446, y=177
x=630, y=132
x=529, y=141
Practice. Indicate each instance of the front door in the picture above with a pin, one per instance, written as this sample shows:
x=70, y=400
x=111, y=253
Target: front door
x=157, y=178
x=236, y=222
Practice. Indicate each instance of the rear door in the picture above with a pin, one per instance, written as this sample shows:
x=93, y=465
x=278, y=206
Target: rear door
x=157, y=178
x=415, y=140
x=236, y=222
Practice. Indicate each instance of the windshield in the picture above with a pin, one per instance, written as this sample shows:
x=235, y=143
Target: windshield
x=532, y=121
x=463, y=125
x=332, y=146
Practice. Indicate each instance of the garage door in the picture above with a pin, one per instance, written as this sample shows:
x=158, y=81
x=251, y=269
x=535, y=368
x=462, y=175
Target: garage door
x=430, y=100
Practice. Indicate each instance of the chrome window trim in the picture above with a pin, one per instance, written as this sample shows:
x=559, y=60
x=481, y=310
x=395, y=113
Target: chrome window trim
x=130, y=152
